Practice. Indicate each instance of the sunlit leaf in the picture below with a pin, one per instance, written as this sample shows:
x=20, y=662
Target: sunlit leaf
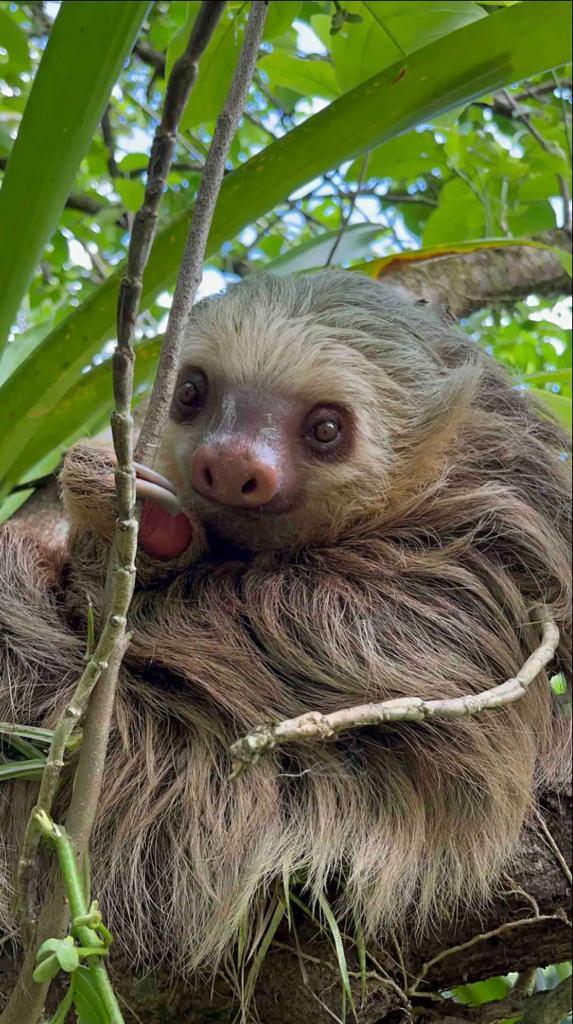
x=90, y=40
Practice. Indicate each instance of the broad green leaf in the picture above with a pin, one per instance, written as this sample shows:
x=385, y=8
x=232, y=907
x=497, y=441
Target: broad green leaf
x=280, y=17
x=560, y=406
x=460, y=215
x=493, y=52
x=169, y=23
x=479, y=992
x=15, y=42
x=90, y=41
x=354, y=243
x=307, y=77
x=131, y=193
x=390, y=31
x=403, y=159
x=68, y=957
x=91, y=394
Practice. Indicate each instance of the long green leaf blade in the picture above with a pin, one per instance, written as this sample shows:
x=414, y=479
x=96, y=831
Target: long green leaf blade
x=508, y=46
x=84, y=55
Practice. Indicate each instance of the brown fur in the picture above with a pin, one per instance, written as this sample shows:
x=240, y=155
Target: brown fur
x=413, y=568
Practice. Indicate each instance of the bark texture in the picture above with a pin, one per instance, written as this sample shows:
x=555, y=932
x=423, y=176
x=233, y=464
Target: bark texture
x=466, y=282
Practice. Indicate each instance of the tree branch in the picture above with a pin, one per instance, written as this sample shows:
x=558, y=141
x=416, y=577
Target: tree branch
x=468, y=281
x=190, y=271
x=314, y=726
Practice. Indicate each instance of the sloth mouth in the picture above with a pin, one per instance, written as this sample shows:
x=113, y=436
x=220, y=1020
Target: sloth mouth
x=274, y=509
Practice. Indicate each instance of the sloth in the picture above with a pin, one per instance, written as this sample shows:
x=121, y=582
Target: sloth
x=352, y=503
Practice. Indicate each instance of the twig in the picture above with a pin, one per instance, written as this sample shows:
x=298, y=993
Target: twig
x=346, y=220
x=27, y=1000
x=554, y=847
x=181, y=80
x=109, y=140
x=314, y=726
x=190, y=271
x=502, y=929
x=154, y=58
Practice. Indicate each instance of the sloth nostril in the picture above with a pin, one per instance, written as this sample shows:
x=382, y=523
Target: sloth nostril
x=249, y=486
x=208, y=476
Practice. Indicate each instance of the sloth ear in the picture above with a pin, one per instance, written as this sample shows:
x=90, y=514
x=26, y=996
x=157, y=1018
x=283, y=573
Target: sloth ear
x=442, y=310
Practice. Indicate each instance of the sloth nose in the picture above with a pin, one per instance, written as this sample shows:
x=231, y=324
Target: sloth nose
x=233, y=476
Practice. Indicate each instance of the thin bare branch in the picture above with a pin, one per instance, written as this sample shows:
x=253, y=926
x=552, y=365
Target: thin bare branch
x=191, y=268
x=346, y=220
x=315, y=726
x=179, y=86
x=102, y=669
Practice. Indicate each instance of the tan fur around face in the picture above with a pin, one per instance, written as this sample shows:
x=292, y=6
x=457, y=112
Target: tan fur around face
x=420, y=577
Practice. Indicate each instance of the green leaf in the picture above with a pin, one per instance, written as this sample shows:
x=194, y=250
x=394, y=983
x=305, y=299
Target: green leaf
x=549, y=377
x=131, y=193
x=92, y=393
x=558, y=684
x=15, y=42
x=355, y=243
x=403, y=159
x=307, y=77
x=280, y=17
x=459, y=216
x=88, y=1003
x=390, y=31
x=338, y=945
x=505, y=47
x=30, y=732
x=275, y=920
x=479, y=992
x=68, y=957
x=31, y=769
x=85, y=52
x=560, y=406
x=169, y=22
x=46, y=970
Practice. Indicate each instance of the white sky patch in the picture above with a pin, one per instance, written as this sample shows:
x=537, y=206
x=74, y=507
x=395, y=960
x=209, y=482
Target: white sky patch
x=212, y=282
x=560, y=315
x=307, y=40
x=138, y=141
x=78, y=254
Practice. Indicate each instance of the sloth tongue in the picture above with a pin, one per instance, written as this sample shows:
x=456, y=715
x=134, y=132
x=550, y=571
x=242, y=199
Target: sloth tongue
x=162, y=535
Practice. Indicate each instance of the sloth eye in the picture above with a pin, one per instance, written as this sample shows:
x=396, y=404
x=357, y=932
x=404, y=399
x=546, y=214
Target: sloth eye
x=326, y=431
x=192, y=392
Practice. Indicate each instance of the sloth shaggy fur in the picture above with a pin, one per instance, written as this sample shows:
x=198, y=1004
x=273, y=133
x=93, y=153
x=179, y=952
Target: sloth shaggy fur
x=415, y=569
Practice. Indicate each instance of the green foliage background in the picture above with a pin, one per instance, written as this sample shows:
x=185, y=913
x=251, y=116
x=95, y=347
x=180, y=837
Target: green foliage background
x=372, y=128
